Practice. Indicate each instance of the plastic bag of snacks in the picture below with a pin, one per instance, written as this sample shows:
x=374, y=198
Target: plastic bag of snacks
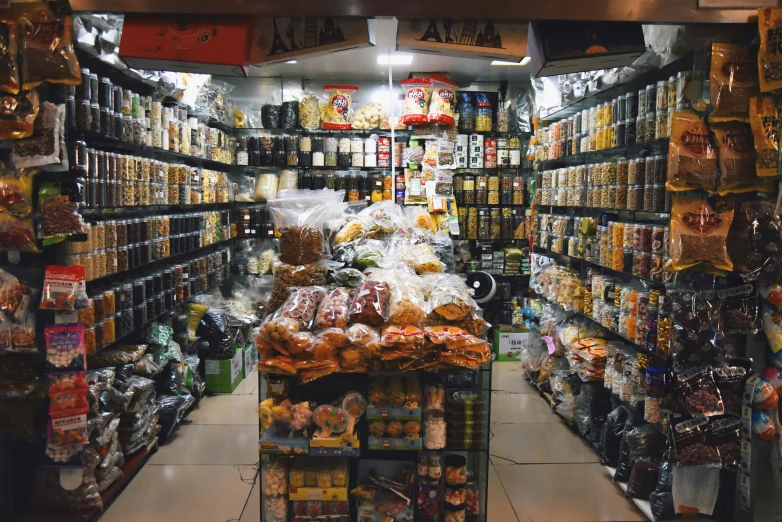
x=64, y=289
x=764, y=120
x=16, y=191
x=426, y=260
x=699, y=393
x=300, y=306
x=300, y=217
x=43, y=147
x=59, y=215
x=364, y=337
x=448, y=296
x=407, y=304
x=334, y=309
x=65, y=348
x=17, y=115
x=393, y=334
x=47, y=48
x=17, y=234
x=336, y=114
x=692, y=159
x=443, y=105
x=699, y=233
x=370, y=303
x=118, y=356
x=737, y=159
x=690, y=442
x=733, y=81
x=354, y=228
x=287, y=276
x=309, y=112
x=769, y=56
x=418, y=92
x=9, y=72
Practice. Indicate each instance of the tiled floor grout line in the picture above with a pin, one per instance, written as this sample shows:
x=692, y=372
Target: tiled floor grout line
x=507, y=496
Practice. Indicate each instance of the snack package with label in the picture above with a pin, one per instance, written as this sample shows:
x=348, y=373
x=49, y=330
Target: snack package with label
x=692, y=159
x=737, y=159
x=448, y=296
x=43, y=147
x=370, y=303
x=335, y=115
x=47, y=53
x=418, y=93
x=65, y=350
x=699, y=393
x=699, y=233
x=393, y=334
x=691, y=445
x=334, y=309
x=17, y=114
x=64, y=289
x=442, y=107
x=764, y=120
x=734, y=79
x=769, y=55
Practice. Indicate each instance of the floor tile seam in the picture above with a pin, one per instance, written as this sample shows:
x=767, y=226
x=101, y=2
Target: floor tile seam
x=507, y=496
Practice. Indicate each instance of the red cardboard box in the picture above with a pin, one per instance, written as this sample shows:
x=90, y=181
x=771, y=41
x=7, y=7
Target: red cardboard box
x=187, y=43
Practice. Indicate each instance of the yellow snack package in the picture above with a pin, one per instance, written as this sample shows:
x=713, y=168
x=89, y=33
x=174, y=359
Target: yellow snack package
x=770, y=53
x=699, y=233
x=764, y=120
x=692, y=159
x=733, y=81
x=336, y=113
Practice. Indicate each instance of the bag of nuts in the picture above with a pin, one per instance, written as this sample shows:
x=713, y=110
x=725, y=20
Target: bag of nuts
x=699, y=393
x=691, y=444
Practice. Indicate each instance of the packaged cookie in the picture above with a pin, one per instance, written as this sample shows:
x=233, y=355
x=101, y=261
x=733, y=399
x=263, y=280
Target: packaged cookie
x=370, y=303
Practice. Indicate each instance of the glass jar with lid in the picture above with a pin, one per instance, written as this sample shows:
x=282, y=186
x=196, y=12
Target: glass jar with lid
x=472, y=223
x=484, y=228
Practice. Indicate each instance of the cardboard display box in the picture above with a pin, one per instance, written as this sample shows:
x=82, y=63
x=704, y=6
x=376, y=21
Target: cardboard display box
x=187, y=43
x=224, y=375
x=463, y=39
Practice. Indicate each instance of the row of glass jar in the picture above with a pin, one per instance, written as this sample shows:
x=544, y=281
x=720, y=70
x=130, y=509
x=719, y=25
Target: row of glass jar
x=115, y=193
x=649, y=198
x=648, y=171
x=481, y=189
x=101, y=91
x=490, y=224
x=122, y=232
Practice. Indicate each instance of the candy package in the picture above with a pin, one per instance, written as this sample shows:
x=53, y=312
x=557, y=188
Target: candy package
x=755, y=236
x=17, y=234
x=16, y=192
x=699, y=393
x=67, y=429
x=741, y=310
x=67, y=401
x=65, y=350
x=64, y=289
x=690, y=442
x=335, y=113
x=370, y=303
x=725, y=435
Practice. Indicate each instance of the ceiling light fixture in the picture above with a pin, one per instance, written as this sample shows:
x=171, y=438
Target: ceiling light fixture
x=396, y=59
x=524, y=61
x=291, y=61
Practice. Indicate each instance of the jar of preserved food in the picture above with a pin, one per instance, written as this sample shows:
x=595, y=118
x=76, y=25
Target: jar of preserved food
x=495, y=223
x=472, y=223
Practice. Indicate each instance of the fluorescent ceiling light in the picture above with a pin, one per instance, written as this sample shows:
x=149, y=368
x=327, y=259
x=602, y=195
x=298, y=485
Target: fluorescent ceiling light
x=291, y=61
x=524, y=61
x=396, y=59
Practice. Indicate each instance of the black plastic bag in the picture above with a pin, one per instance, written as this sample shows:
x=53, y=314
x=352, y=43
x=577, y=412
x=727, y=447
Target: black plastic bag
x=124, y=372
x=625, y=464
x=645, y=441
x=214, y=328
x=662, y=499
x=599, y=408
x=289, y=115
x=643, y=478
x=201, y=348
x=270, y=116
x=169, y=412
x=612, y=437
x=179, y=323
x=169, y=382
x=581, y=413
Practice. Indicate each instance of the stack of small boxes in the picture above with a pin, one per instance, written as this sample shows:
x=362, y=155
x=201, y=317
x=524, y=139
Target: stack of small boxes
x=476, y=151
x=461, y=151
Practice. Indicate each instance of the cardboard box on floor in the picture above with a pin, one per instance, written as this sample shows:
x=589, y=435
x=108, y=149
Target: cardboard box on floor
x=187, y=43
x=224, y=375
x=508, y=342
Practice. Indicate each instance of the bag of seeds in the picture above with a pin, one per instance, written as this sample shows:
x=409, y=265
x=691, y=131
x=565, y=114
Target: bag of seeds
x=733, y=81
x=59, y=214
x=699, y=233
x=737, y=159
x=692, y=159
x=300, y=216
x=43, y=147
x=47, y=47
x=770, y=53
x=9, y=71
x=764, y=121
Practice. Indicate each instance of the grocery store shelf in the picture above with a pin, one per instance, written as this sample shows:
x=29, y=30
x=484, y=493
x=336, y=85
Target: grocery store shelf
x=632, y=85
x=637, y=215
x=656, y=146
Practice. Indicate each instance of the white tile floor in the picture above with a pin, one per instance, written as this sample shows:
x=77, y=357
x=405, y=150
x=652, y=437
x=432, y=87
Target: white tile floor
x=540, y=470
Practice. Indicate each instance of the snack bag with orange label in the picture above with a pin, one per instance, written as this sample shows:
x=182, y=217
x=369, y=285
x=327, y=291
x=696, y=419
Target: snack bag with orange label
x=336, y=113
x=692, y=158
x=699, y=233
x=418, y=92
x=733, y=81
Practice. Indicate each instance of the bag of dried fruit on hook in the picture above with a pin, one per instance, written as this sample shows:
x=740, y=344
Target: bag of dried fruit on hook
x=300, y=216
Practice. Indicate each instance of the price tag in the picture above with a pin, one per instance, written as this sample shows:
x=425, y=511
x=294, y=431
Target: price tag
x=414, y=187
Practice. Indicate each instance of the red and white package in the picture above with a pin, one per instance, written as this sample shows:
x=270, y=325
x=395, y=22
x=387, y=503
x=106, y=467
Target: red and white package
x=64, y=289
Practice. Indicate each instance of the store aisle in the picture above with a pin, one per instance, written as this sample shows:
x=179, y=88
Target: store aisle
x=206, y=471
x=541, y=471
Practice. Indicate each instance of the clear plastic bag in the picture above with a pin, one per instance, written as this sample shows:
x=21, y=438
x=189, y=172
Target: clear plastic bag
x=370, y=303
x=266, y=186
x=442, y=106
x=418, y=93
x=407, y=304
x=47, y=52
x=335, y=114
x=448, y=296
x=9, y=71
x=309, y=112
x=17, y=114
x=393, y=334
x=59, y=214
x=43, y=147
x=334, y=309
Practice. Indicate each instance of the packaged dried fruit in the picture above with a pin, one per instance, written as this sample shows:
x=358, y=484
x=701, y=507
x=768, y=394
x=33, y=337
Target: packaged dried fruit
x=448, y=296
x=692, y=159
x=691, y=445
x=734, y=80
x=393, y=334
x=64, y=289
x=362, y=335
x=335, y=114
x=426, y=260
x=370, y=303
x=442, y=107
x=288, y=276
x=59, y=215
x=418, y=92
x=279, y=364
x=334, y=309
x=407, y=304
x=334, y=336
x=699, y=233
x=299, y=343
x=354, y=228
x=301, y=305
x=699, y=393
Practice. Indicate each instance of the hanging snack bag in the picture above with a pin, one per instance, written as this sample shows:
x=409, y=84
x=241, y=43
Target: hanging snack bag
x=16, y=191
x=699, y=393
x=59, y=215
x=47, y=48
x=692, y=159
x=690, y=442
x=9, y=72
x=725, y=437
x=370, y=303
x=736, y=155
x=418, y=92
x=764, y=120
x=449, y=297
x=17, y=114
x=443, y=105
x=43, y=147
x=733, y=81
x=334, y=309
x=67, y=382
x=65, y=348
x=17, y=234
x=336, y=115
x=699, y=232
x=300, y=217
x=770, y=53
x=64, y=289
